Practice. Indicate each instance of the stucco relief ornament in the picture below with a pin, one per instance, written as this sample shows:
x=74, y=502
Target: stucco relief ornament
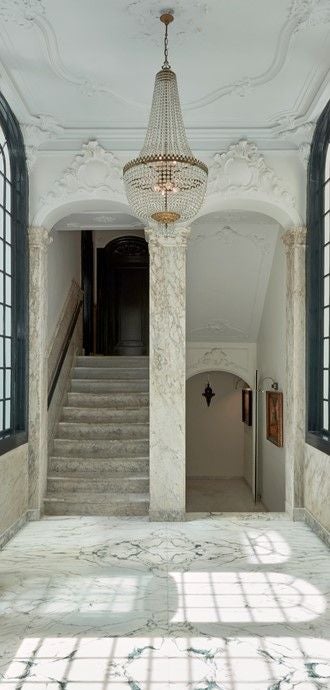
x=22, y=12
x=242, y=168
x=309, y=13
x=92, y=172
x=43, y=128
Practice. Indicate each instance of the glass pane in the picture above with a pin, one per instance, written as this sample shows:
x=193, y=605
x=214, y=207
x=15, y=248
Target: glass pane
x=1, y=415
x=8, y=258
x=7, y=414
x=2, y=191
x=327, y=164
x=7, y=161
x=8, y=228
x=8, y=197
x=1, y=383
x=326, y=322
x=1, y=354
x=8, y=290
x=327, y=196
x=1, y=287
x=325, y=415
x=1, y=255
x=327, y=228
x=8, y=353
x=8, y=320
x=326, y=383
x=326, y=353
x=2, y=158
x=1, y=319
x=326, y=291
x=8, y=383
x=326, y=259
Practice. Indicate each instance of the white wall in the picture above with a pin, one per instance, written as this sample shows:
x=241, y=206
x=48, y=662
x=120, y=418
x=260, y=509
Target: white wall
x=271, y=362
x=64, y=260
x=215, y=434
x=317, y=485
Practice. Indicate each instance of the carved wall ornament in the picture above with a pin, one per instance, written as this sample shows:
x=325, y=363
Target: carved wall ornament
x=309, y=13
x=94, y=171
x=222, y=329
x=242, y=169
x=228, y=235
x=44, y=128
x=22, y=12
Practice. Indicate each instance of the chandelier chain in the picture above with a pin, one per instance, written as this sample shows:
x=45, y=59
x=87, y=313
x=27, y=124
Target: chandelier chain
x=166, y=64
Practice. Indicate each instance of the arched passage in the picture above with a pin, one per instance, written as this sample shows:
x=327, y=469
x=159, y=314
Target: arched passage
x=219, y=448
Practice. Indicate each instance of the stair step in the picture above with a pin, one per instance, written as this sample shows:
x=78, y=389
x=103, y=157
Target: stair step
x=115, y=386
x=93, y=431
x=63, y=484
x=101, y=448
x=97, y=504
x=90, y=466
x=104, y=414
x=112, y=361
x=110, y=373
x=118, y=400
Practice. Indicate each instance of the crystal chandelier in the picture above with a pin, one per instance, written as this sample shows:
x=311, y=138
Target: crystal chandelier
x=166, y=183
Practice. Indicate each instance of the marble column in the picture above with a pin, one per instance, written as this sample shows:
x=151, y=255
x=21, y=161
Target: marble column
x=294, y=417
x=39, y=240
x=167, y=372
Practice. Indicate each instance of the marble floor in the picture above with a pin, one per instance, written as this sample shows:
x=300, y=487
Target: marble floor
x=221, y=496
x=220, y=603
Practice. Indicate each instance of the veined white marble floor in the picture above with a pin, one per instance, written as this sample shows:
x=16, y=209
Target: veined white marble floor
x=221, y=496
x=220, y=603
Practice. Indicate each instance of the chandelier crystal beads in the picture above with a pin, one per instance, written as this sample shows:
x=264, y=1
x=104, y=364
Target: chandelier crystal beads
x=166, y=183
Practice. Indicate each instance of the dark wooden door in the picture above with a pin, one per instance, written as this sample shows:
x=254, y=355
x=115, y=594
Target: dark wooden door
x=87, y=279
x=123, y=297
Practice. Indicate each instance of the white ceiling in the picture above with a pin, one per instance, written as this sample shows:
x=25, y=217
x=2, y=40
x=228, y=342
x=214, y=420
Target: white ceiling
x=229, y=261
x=99, y=220
x=255, y=69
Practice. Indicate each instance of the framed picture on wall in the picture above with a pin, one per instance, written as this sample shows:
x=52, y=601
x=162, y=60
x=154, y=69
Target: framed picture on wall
x=247, y=406
x=274, y=417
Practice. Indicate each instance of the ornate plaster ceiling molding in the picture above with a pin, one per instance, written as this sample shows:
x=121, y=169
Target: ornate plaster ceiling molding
x=228, y=235
x=242, y=169
x=22, y=12
x=201, y=356
x=300, y=133
x=94, y=173
x=309, y=13
x=190, y=19
x=44, y=128
x=222, y=329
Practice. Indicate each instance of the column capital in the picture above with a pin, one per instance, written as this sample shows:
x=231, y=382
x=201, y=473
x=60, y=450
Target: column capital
x=294, y=237
x=165, y=237
x=39, y=237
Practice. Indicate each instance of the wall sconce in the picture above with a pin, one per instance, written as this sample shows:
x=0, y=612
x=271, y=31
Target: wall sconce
x=274, y=385
x=208, y=394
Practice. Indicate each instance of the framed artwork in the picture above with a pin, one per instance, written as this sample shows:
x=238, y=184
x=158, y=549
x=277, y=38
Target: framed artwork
x=274, y=417
x=247, y=406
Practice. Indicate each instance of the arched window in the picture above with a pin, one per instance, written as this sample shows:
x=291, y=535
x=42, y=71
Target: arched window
x=13, y=281
x=318, y=286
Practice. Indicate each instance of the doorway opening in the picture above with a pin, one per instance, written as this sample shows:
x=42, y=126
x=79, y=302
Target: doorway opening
x=220, y=446
x=115, y=280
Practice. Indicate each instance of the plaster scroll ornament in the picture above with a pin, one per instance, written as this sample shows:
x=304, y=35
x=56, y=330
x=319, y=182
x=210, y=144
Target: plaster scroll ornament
x=242, y=168
x=217, y=357
x=42, y=129
x=190, y=17
x=22, y=12
x=301, y=134
x=228, y=235
x=309, y=13
x=93, y=171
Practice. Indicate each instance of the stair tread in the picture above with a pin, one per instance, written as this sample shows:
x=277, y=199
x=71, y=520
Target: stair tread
x=90, y=497
x=97, y=479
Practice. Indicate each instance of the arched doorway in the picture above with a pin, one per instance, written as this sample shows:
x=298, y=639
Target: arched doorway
x=122, y=324
x=220, y=446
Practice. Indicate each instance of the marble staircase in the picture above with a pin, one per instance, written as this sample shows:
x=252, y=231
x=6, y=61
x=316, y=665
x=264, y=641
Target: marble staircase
x=99, y=464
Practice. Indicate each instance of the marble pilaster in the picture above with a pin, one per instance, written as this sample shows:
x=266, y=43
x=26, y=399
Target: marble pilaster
x=294, y=419
x=167, y=372
x=39, y=240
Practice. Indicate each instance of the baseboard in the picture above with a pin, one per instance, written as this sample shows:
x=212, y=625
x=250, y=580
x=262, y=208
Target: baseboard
x=33, y=515
x=302, y=514
x=10, y=532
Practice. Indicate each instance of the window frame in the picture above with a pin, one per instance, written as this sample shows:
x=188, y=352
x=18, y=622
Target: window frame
x=18, y=433
x=316, y=179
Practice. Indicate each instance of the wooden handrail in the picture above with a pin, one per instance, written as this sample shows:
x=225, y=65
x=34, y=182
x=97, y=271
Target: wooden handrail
x=63, y=352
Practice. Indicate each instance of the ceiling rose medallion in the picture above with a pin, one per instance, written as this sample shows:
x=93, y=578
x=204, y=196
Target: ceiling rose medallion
x=166, y=183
